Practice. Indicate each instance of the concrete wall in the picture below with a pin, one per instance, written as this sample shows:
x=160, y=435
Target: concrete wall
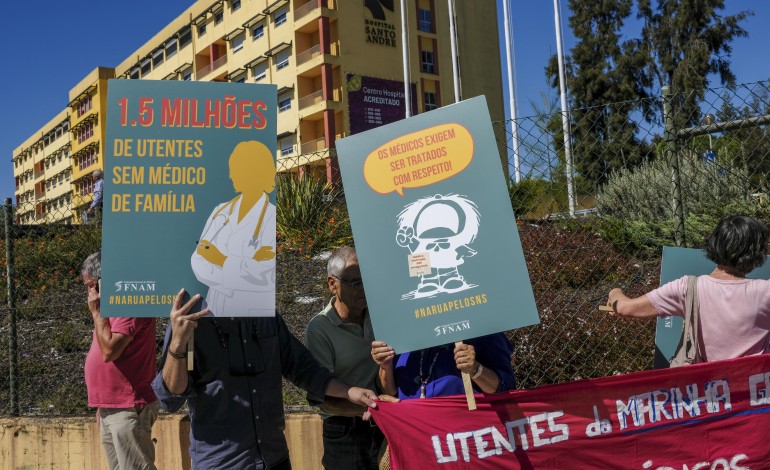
x=73, y=443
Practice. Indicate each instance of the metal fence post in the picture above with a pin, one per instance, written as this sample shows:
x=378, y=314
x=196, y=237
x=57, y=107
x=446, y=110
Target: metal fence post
x=13, y=352
x=673, y=155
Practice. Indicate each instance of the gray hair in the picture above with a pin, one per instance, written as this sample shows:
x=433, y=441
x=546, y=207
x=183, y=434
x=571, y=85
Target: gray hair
x=92, y=266
x=98, y=174
x=339, y=259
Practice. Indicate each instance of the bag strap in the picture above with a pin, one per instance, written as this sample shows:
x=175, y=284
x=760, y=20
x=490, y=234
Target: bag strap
x=692, y=322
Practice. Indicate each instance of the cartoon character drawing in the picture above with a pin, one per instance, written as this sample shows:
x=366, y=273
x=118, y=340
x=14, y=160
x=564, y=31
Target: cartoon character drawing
x=444, y=226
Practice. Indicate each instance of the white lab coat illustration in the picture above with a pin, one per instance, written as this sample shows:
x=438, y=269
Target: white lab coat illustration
x=242, y=287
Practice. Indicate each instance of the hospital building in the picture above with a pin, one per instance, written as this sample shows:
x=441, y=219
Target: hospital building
x=337, y=65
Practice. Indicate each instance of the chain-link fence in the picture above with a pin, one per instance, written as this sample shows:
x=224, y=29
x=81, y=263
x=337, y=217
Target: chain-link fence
x=593, y=211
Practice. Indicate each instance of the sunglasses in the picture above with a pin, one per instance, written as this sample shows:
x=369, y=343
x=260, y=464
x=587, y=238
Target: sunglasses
x=353, y=283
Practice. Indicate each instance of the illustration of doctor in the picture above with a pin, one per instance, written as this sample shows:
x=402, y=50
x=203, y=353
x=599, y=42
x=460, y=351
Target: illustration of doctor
x=235, y=256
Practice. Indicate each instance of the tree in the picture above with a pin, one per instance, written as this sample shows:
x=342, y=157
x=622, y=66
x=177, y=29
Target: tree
x=749, y=146
x=686, y=40
x=606, y=82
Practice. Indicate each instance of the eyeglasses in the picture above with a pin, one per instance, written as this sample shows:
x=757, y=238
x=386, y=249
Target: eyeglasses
x=353, y=283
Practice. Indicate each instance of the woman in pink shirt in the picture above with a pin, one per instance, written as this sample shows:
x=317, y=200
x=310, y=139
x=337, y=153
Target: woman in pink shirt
x=734, y=311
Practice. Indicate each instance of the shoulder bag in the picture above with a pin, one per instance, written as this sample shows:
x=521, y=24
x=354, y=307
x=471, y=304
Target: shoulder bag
x=687, y=352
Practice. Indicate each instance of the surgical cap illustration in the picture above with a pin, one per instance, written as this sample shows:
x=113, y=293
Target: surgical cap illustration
x=235, y=255
x=439, y=230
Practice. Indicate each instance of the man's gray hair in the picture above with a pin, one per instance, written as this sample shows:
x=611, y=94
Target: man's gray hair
x=98, y=174
x=92, y=266
x=339, y=259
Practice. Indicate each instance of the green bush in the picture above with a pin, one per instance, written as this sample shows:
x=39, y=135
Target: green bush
x=526, y=195
x=637, y=205
x=309, y=215
x=47, y=260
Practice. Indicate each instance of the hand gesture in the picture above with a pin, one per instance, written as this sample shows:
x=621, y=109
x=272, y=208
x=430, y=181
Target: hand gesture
x=94, y=299
x=465, y=358
x=382, y=353
x=404, y=236
x=386, y=398
x=183, y=323
x=362, y=396
x=612, y=300
x=211, y=253
x=264, y=253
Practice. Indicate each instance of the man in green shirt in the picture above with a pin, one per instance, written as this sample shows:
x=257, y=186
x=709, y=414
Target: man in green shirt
x=340, y=338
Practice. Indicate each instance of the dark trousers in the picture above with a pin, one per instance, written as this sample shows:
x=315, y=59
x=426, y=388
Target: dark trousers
x=350, y=443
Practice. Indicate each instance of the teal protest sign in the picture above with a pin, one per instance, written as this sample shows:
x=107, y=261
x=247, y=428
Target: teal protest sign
x=434, y=230
x=676, y=263
x=188, y=197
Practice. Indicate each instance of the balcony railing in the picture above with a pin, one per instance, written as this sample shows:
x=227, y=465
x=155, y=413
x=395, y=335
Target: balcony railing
x=202, y=72
x=308, y=54
x=305, y=9
x=314, y=145
x=311, y=99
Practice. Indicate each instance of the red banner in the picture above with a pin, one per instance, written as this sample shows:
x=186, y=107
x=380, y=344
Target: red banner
x=707, y=416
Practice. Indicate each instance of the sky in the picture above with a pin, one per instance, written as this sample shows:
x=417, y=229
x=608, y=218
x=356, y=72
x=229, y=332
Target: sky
x=58, y=43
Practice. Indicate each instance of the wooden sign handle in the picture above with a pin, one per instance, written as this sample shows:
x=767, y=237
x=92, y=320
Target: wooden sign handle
x=468, y=387
x=605, y=308
x=190, y=353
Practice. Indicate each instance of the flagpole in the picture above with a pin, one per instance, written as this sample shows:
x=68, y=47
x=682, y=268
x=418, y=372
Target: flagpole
x=405, y=58
x=564, y=111
x=511, y=91
x=453, y=44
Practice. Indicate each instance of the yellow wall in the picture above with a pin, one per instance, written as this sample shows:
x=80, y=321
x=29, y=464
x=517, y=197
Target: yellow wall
x=31, y=443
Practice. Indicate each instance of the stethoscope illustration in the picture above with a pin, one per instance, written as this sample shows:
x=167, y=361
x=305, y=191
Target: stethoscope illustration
x=220, y=214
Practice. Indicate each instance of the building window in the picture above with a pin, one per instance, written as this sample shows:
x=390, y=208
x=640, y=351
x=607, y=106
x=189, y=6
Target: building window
x=286, y=146
x=260, y=71
x=171, y=47
x=218, y=17
x=426, y=64
x=430, y=100
x=284, y=104
x=235, y=4
x=201, y=29
x=134, y=74
x=146, y=67
x=187, y=74
x=84, y=106
x=86, y=132
x=185, y=37
x=282, y=59
x=237, y=42
x=279, y=18
x=240, y=78
x=258, y=31
x=424, y=22
x=157, y=58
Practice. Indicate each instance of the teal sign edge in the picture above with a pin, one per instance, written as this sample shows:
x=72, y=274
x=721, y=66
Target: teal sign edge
x=498, y=268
